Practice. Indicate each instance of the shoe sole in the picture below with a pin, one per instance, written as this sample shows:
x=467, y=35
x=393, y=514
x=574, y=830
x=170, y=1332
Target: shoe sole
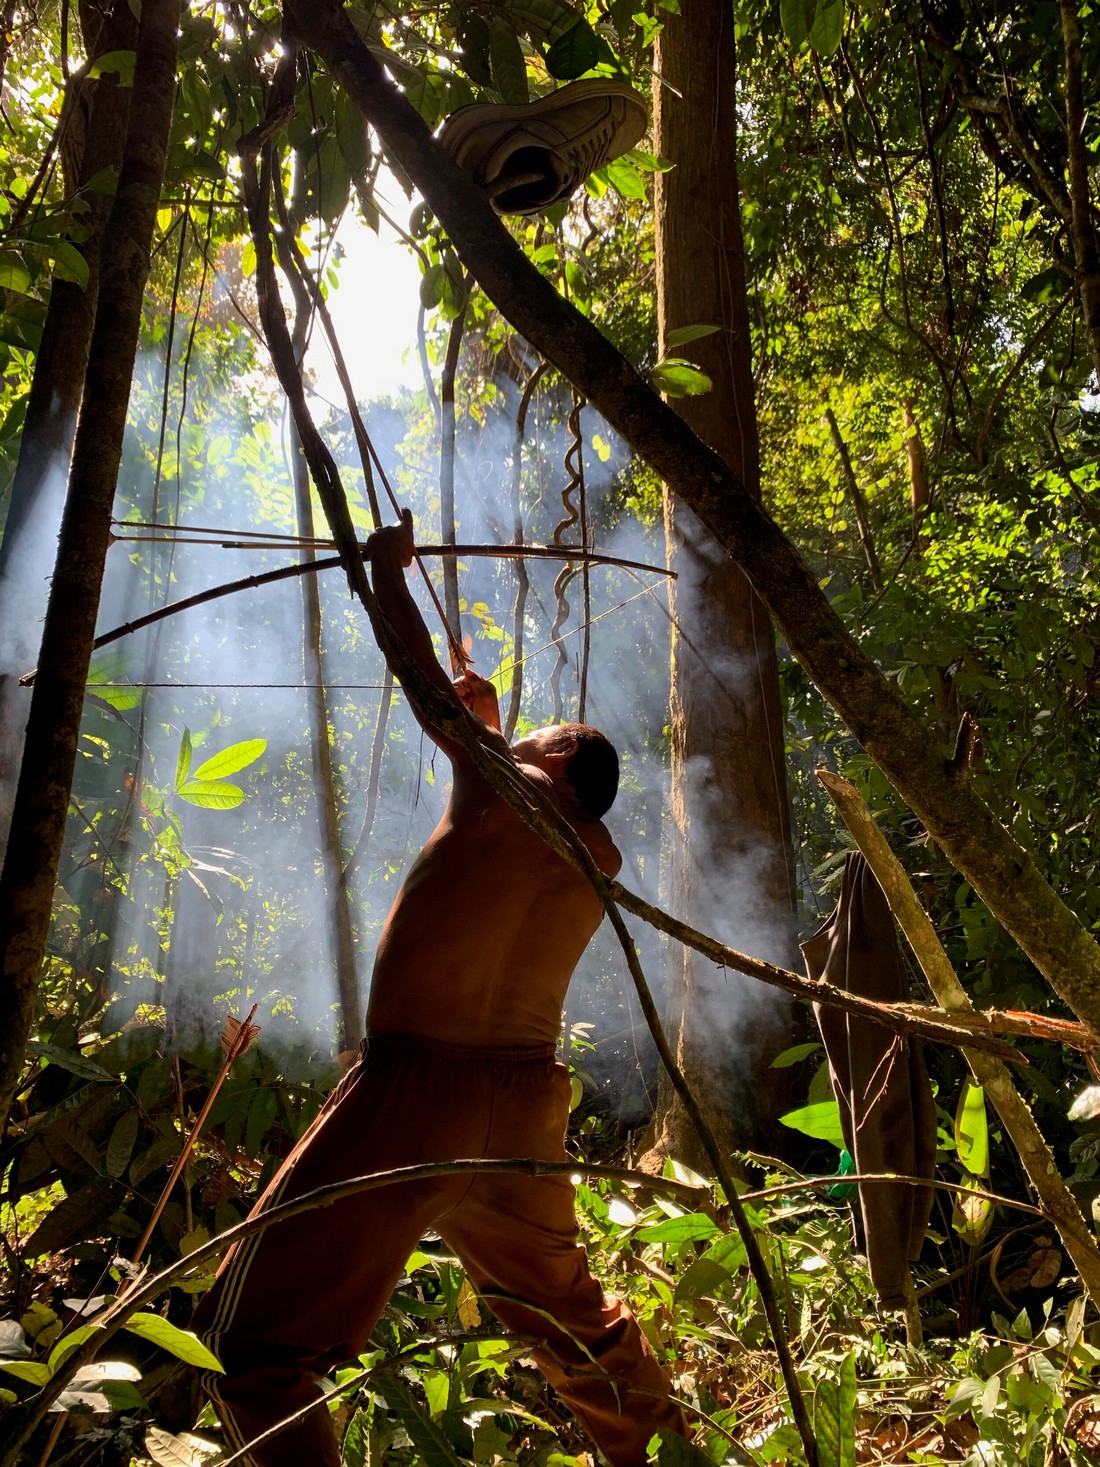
x=483, y=139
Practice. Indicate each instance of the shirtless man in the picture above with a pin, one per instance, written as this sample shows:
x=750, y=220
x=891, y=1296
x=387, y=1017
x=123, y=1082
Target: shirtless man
x=464, y=1016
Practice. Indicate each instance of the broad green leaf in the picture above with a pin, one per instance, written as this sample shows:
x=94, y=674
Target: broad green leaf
x=120, y=1148
x=115, y=63
x=229, y=761
x=624, y=177
x=677, y=1451
x=68, y=1059
x=795, y=1054
x=680, y=337
x=972, y=1130
x=33, y=1371
x=574, y=52
x=677, y=378
x=827, y=27
x=827, y=1425
x=821, y=1121
x=68, y=262
x=543, y=20
x=507, y=62
x=687, y=1229
x=846, y=1410
x=70, y=1342
x=430, y=1443
x=13, y=273
x=183, y=759
x=795, y=17
x=704, y=1276
x=179, y=1342
x=211, y=794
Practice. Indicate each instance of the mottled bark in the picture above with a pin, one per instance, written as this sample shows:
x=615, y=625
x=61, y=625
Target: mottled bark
x=42, y=797
x=94, y=113
x=731, y=867
x=907, y=750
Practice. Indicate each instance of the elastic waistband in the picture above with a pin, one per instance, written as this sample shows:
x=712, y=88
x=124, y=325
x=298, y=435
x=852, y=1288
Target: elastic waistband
x=417, y=1044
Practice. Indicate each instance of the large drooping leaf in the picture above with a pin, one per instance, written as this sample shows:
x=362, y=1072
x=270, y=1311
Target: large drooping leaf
x=211, y=794
x=179, y=1342
x=574, y=52
x=507, y=62
x=821, y=1121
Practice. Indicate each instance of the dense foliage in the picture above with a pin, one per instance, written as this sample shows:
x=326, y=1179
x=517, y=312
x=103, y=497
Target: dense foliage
x=930, y=421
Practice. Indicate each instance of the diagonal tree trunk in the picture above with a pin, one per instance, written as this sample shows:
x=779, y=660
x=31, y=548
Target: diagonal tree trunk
x=42, y=797
x=904, y=747
x=731, y=844
x=94, y=129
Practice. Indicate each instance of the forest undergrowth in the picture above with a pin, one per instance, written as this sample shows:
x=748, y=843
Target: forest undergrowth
x=1005, y=1372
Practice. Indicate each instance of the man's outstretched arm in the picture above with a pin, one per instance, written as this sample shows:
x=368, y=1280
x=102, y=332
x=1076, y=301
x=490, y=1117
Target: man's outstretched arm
x=390, y=552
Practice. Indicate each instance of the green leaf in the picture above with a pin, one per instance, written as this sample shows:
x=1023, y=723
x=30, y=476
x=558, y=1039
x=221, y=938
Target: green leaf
x=972, y=1130
x=574, y=52
x=677, y=378
x=795, y=1054
x=624, y=177
x=115, y=63
x=120, y=1148
x=68, y=1059
x=704, y=1276
x=211, y=794
x=795, y=17
x=33, y=1371
x=507, y=62
x=687, y=1229
x=680, y=337
x=68, y=262
x=846, y=1410
x=827, y=27
x=13, y=273
x=430, y=1443
x=541, y=19
x=229, y=761
x=261, y=1113
x=183, y=759
x=677, y=1451
x=70, y=1342
x=821, y=1121
x=179, y=1342
x=827, y=1425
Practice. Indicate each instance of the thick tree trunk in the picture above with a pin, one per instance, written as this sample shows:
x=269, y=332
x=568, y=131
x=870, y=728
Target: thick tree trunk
x=731, y=851
x=903, y=746
x=95, y=112
x=42, y=798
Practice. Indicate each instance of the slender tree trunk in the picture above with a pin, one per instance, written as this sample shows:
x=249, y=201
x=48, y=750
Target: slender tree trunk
x=336, y=890
x=1083, y=229
x=42, y=797
x=95, y=115
x=731, y=868
x=334, y=873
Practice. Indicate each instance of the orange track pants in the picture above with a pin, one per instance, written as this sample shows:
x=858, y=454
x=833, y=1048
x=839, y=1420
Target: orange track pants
x=302, y=1297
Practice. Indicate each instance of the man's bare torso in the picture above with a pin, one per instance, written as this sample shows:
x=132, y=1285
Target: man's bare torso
x=485, y=933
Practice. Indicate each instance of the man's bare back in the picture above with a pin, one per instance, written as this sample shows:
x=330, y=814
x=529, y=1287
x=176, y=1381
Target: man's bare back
x=485, y=933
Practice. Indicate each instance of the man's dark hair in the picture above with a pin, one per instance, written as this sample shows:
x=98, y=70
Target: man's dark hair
x=593, y=769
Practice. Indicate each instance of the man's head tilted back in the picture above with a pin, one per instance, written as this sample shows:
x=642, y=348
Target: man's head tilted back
x=593, y=771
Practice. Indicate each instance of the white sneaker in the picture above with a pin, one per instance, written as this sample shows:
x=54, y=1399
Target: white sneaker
x=529, y=157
